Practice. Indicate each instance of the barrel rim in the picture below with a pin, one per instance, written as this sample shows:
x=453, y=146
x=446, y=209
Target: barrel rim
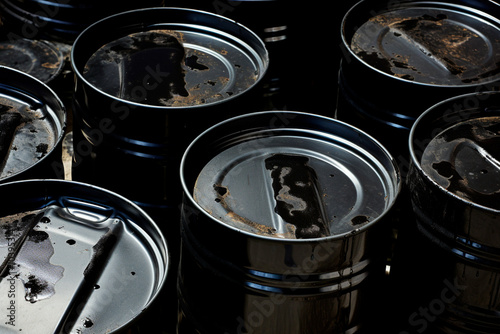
x=383, y=150
x=262, y=59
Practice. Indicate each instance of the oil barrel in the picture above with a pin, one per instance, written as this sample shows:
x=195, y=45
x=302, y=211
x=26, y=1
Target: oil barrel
x=75, y=258
x=32, y=125
x=402, y=57
x=283, y=226
x=147, y=86
x=147, y=82
x=61, y=20
x=451, y=255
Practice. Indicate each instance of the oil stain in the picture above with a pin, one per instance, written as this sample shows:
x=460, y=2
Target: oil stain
x=297, y=195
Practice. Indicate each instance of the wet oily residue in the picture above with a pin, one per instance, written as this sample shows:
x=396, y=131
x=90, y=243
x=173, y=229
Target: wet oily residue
x=465, y=159
x=298, y=199
x=429, y=46
x=29, y=251
x=25, y=136
x=144, y=67
x=9, y=121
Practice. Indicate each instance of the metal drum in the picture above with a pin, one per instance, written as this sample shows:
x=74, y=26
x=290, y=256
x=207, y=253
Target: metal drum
x=135, y=112
x=75, y=258
x=32, y=125
x=283, y=226
x=402, y=57
x=452, y=256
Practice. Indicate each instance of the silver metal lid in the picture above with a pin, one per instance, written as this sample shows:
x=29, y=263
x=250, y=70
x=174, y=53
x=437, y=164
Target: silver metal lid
x=186, y=58
x=79, y=259
x=295, y=181
x=464, y=159
x=436, y=43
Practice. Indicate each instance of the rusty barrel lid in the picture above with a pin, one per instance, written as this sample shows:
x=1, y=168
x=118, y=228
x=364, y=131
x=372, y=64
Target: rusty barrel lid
x=75, y=258
x=39, y=58
x=433, y=43
x=274, y=177
x=210, y=58
x=32, y=124
x=455, y=144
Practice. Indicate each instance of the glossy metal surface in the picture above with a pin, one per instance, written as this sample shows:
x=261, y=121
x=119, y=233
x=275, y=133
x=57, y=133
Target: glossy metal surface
x=272, y=227
x=75, y=259
x=454, y=185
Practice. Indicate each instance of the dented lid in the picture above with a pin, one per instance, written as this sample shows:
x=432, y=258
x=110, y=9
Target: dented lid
x=303, y=179
x=434, y=43
x=75, y=259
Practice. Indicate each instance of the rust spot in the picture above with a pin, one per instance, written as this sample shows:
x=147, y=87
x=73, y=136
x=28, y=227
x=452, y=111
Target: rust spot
x=263, y=229
x=51, y=65
x=259, y=229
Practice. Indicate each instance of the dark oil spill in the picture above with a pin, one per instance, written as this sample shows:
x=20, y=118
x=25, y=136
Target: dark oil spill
x=192, y=62
x=359, y=220
x=45, y=220
x=34, y=287
x=297, y=195
x=42, y=148
x=20, y=225
x=9, y=121
x=87, y=323
x=30, y=262
x=37, y=236
x=221, y=191
x=153, y=68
